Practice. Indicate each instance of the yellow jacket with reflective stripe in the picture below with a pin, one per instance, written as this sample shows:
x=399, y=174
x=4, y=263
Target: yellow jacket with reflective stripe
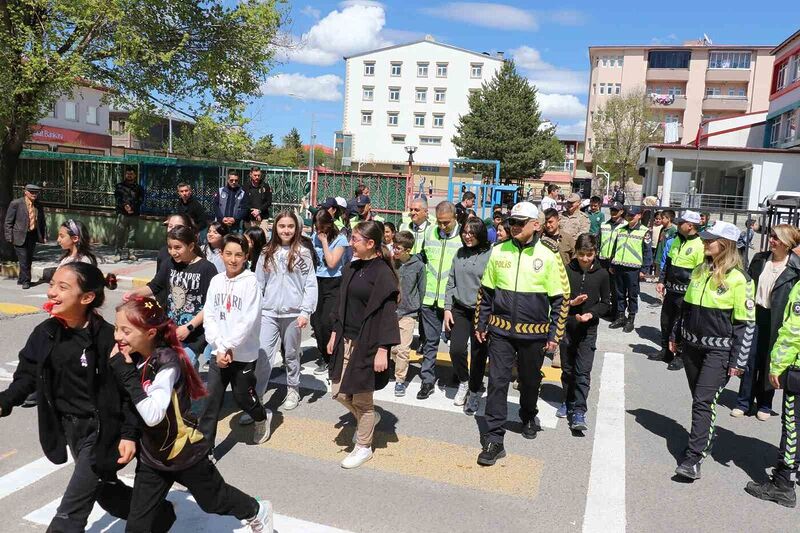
x=438, y=253
x=786, y=351
x=524, y=292
x=608, y=232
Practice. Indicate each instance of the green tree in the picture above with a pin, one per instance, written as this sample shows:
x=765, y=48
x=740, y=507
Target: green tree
x=148, y=53
x=264, y=148
x=504, y=123
x=622, y=128
x=212, y=139
x=321, y=159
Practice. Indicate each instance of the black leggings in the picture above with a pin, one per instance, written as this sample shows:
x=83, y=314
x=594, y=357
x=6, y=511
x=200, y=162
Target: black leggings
x=327, y=303
x=463, y=331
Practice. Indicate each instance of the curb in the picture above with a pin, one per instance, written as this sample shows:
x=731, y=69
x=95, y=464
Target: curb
x=123, y=282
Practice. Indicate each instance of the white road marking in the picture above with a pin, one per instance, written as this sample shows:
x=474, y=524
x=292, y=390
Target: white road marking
x=605, y=498
x=5, y=375
x=28, y=475
x=36, y=296
x=191, y=518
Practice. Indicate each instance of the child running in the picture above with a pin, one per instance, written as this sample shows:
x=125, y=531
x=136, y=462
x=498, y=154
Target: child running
x=233, y=322
x=288, y=283
x=149, y=361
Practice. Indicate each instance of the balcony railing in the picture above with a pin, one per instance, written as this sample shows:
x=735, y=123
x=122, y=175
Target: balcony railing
x=725, y=103
x=669, y=101
x=685, y=200
x=565, y=166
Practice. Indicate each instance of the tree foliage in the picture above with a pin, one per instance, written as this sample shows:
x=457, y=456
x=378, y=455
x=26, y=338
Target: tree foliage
x=622, y=128
x=149, y=53
x=213, y=139
x=504, y=123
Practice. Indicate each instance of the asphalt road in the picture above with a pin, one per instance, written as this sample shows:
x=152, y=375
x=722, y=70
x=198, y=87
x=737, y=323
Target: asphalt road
x=617, y=476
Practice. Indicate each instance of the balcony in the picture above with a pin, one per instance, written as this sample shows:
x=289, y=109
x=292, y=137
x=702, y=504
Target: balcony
x=666, y=101
x=667, y=74
x=728, y=74
x=725, y=103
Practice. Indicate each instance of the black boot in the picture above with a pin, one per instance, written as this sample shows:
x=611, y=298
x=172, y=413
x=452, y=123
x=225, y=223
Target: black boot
x=491, y=453
x=629, y=323
x=619, y=322
x=777, y=489
x=676, y=363
x=689, y=468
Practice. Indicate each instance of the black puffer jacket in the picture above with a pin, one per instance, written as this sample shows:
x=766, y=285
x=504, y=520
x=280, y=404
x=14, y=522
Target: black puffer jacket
x=595, y=284
x=113, y=411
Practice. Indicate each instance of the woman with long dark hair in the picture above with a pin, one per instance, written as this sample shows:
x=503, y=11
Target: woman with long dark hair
x=74, y=239
x=212, y=249
x=460, y=300
x=66, y=361
x=364, y=332
x=256, y=239
x=333, y=253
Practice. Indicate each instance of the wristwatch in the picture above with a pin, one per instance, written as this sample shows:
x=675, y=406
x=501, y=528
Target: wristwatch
x=190, y=327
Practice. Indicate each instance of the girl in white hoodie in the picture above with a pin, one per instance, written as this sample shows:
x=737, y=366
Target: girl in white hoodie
x=288, y=283
x=232, y=322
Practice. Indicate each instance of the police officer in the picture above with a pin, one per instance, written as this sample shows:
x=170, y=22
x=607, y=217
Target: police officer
x=608, y=234
x=631, y=258
x=715, y=334
x=231, y=203
x=684, y=255
x=785, y=354
x=522, y=312
x=573, y=220
x=441, y=244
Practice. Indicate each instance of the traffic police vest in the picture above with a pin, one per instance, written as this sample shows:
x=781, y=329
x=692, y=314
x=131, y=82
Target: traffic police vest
x=684, y=255
x=608, y=232
x=629, y=243
x=439, y=254
x=786, y=351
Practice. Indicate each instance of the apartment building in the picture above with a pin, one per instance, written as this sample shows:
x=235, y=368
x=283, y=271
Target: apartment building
x=685, y=84
x=783, y=117
x=408, y=95
x=77, y=122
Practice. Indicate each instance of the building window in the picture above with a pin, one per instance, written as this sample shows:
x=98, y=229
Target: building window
x=781, y=78
x=617, y=88
x=729, y=60
x=775, y=131
x=49, y=111
x=421, y=95
x=669, y=59
x=675, y=91
x=713, y=91
x=422, y=70
x=419, y=120
x=476, y=70
x=91, y=115
x=619, y=61
x=430, y=141
x=397, y=69
x=441, y=70
x=740, y=92
x=439, y=95
x=438, y=121
x=366, y=118
x=602, y=88
x=790, y=131
x=369, y=68
x=594, y=88
x=604, y=61
x=398, y=138
x=394, y=94
x=368, y=93
x=71, y=111
x=392, y=118
x=424, y=168
x=671, y=118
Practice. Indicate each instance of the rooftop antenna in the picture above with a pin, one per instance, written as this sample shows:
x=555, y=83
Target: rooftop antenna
x=707, y=40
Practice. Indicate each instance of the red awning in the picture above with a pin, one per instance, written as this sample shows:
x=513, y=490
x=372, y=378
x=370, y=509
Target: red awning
x=51, y=134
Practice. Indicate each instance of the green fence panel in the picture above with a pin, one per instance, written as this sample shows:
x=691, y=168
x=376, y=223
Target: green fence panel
x=289, y=186
x=51, y=175
x=93, y=183
x=160, y=183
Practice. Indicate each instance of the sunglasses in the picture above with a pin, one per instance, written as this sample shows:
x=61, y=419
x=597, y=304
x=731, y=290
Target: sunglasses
x=517, y=222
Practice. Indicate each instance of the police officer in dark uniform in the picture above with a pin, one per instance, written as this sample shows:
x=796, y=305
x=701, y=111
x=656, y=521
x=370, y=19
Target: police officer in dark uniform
x=522, y=312
x=608, y=233
x=630, y=262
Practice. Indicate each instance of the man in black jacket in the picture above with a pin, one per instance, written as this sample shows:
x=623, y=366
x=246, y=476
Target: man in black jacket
x=129, y=197
x=188, y=205
x=231, y=203
x=24, y=227
x=260, y=203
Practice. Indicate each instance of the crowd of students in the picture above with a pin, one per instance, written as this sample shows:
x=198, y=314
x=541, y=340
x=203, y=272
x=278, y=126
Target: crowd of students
x=504, y=293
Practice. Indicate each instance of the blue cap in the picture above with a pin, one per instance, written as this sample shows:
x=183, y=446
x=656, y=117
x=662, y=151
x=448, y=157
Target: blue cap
x=634, y=210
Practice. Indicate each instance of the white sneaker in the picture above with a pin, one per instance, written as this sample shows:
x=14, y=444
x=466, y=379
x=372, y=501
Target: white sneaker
x=245, y=420
x=461, y=393
x=292, y=399
x=377, y=420
x=737, y=413
x=262, y=522
x=473, y=403
x=262, y=430
x=357, y=457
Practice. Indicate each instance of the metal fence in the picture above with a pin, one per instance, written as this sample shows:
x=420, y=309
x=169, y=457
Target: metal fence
x=387, y=191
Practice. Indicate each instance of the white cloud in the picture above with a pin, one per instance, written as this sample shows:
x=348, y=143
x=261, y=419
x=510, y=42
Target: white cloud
x=578, y=128
x=546, y=77
x=560, y=106
x=486, y=15
x=369, y=3
x=324, y=88
x=356, y=28
x=311, y=12
x=528, y=58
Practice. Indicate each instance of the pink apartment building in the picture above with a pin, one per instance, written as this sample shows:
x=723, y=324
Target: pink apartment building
x=685, y=84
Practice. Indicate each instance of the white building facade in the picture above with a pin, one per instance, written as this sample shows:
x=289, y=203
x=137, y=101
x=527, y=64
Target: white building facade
x=409, y=95
x=76, y=120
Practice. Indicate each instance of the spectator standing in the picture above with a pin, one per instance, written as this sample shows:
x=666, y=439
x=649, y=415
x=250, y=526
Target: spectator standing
x=419, y=223
x=24, y=227
x=630, y=261
x=259, y=194
x=619, y=195
x=129, y=197
x=462, y=208
x=550, y=201
x=411, y=273
x=364, y=207
x=667, y=233
x=596, y=216
x=553, y=232
x=189, y=206
x=231, y=203
x=574, y=221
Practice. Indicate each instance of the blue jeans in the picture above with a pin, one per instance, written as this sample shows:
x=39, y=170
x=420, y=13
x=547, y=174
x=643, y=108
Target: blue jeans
x=191, y=355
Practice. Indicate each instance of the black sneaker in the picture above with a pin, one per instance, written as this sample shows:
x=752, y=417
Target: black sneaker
x=491, y=453
x=629, y=324
x=322, y=367
x=530, y=429
x=774, y=490
x=425, y=391
x=689, y=468
x=676, y=363
x=618, y=323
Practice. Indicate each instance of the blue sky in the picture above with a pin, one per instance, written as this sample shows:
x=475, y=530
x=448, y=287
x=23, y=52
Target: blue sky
x=549, y=42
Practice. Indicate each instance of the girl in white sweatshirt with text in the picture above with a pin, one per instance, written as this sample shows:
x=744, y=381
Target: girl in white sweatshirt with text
x=232, y=323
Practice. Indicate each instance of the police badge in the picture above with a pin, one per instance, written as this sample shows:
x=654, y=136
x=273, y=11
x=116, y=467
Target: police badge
x=537, y=264
x=796, y=308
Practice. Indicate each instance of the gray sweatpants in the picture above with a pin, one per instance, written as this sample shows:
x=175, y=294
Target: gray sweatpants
x=274, y=332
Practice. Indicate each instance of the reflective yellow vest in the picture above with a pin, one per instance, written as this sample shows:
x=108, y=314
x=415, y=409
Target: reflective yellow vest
x=607, y=235
x=628, y=252
x=439, y=254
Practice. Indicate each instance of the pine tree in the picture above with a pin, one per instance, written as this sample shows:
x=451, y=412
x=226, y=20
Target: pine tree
x=504, y=123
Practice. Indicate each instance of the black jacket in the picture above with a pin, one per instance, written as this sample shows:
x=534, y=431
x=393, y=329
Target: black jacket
x=380, y=329
x=113, y=413
x=594, y=283
x=132, y=195
x=194, y=210
x=260, y=198
x=780, y=291
x=17, y=223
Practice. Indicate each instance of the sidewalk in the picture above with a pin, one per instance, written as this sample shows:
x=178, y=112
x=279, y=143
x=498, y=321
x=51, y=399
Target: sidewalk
x=130, y=274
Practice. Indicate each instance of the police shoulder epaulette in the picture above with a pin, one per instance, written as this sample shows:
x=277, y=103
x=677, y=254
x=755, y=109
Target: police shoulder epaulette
x=550, y=243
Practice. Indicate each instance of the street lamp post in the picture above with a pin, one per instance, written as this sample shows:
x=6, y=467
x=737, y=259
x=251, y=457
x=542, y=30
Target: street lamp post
x=409, y=180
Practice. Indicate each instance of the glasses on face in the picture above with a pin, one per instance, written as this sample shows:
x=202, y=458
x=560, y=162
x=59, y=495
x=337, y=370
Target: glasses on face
x=518, y=222
x=468, y=233
x=356, y=240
